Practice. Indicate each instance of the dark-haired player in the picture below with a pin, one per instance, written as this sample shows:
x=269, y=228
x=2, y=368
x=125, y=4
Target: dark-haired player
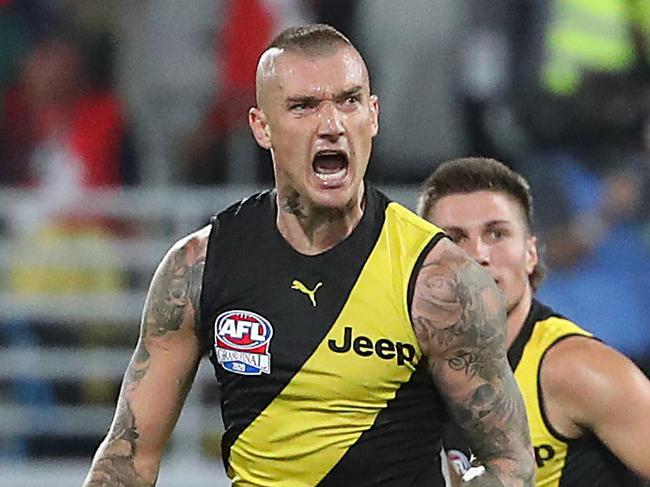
x=587, y=404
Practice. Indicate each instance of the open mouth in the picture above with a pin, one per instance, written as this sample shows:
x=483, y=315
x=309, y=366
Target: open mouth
x=330, y=166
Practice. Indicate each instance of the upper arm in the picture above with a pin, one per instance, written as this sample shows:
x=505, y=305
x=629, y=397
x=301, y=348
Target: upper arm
x=459, y=320
x=169, y=346
x=161, y=369
x=604, y=393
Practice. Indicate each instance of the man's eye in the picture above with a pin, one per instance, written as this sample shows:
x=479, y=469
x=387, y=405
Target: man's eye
x=497, y=234
x=298, y=107
x=455, y=238
x=352, y=100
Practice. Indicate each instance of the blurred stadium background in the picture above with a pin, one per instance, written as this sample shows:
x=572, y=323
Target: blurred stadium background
x=123, y=127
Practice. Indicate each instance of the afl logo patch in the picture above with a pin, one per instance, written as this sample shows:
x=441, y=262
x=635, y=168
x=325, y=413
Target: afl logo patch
x=241, y=342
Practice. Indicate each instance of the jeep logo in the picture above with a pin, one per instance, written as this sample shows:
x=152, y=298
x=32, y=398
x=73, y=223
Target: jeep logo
x=543, y=453
x=363, y=346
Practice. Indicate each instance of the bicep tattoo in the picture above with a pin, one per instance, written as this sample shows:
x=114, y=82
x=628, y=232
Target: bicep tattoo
x=173, y=297
x=175, y=290
x=459, y=319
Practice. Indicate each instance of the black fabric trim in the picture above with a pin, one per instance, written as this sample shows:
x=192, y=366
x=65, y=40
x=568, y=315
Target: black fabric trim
x=418, y=265
x=205, y=330
x=540, y=393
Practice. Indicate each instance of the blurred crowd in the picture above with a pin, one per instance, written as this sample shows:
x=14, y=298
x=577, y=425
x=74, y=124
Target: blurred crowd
x=62, y=122
x=108, y=93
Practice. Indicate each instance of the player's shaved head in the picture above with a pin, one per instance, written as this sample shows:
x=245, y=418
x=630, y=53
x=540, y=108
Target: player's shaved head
x=266, y=72
x=307, y=40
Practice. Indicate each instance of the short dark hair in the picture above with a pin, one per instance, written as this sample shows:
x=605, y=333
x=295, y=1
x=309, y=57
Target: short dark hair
x=310, y=38
x=470, y=174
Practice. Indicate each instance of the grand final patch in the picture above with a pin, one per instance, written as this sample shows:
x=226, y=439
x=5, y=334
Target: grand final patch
x=241, y=342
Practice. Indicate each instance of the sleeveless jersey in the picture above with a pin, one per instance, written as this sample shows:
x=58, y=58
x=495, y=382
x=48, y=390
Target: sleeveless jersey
x=561, y=461
x=320, y=372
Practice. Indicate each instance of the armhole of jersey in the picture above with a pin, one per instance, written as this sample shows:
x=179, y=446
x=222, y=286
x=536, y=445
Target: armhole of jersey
x=416, y=270
x=540, y=394
x=206, y=281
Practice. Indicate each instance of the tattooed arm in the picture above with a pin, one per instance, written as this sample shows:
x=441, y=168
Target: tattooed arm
x=460, y=323
x=160, y=373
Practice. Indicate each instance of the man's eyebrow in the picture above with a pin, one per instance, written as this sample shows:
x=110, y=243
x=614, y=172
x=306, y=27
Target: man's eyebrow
x=355, y=90
x=454, y=229
x=307, y=99
x=310, y=99
x=488, y=224
x=494, y=223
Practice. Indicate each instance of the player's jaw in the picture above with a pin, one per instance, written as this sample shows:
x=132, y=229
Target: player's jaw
x=516, y=291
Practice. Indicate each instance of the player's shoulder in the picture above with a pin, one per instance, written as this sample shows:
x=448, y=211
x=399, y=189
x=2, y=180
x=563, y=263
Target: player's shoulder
x=379, y=202
x=567, y=344
x=409, y=235
x=196, y=241
x=401, y=215
x=574, y=350
x=246, y=208
x=579, y=368
x=588, y=380
x=189, y=250
x=552, y=326
x=245, y=218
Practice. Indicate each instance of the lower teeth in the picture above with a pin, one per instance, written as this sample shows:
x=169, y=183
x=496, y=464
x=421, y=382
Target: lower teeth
x=328, y=176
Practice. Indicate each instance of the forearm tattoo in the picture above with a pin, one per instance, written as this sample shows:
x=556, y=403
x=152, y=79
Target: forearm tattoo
x=115, y=467
x=459, y=320
x=172, y=301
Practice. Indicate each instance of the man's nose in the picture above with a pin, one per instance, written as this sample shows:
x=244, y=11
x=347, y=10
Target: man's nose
x=330, y=121
x=478, y=250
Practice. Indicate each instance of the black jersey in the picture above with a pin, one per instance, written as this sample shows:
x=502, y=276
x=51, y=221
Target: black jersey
x=318, y=366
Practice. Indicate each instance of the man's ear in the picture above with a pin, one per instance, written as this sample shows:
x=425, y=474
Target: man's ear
x=532, y=258
x=374, y=113
x=260, y=127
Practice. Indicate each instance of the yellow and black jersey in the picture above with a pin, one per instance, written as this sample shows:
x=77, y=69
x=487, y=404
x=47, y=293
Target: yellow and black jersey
x=319, y=369
x=561, y=461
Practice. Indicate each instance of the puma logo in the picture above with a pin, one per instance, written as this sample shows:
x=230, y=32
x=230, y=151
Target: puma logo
x=311, y=294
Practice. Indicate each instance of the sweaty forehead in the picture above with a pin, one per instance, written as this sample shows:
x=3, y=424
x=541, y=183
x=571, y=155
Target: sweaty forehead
x=297, y=73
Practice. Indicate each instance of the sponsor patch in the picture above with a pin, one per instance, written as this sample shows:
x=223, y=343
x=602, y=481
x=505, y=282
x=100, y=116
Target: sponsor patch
x=362, y=345
x=241, y=342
